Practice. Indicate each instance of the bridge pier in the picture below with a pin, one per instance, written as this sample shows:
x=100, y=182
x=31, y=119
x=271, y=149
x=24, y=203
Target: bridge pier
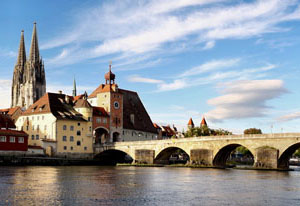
x=202, y=157
x=266, y=157
x=144, y=156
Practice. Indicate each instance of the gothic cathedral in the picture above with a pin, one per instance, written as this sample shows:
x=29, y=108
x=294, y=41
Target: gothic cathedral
x=29, y=82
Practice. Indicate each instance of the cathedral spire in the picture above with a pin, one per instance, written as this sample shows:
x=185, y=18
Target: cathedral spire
x=22, y=54
x=34, y=55
x=74, y=88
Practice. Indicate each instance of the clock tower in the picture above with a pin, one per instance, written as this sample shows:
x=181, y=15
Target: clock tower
x=113, y=102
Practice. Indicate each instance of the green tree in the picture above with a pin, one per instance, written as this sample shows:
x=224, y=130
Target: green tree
x=243, y=150
x=252, y=131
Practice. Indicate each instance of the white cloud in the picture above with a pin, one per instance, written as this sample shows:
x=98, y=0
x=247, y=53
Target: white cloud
x=210, y=66
x=231, y=75
x=5, y=93
x=144, y=80
x=124, y=27
x=245, y=99
x=175, y=85
x=289, y=117
x=209, y=45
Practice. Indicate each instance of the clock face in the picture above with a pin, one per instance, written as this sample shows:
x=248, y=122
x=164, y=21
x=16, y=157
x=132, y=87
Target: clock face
x=116, y=105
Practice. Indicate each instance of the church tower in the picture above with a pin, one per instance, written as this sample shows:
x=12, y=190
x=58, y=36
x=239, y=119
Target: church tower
x=29, y=82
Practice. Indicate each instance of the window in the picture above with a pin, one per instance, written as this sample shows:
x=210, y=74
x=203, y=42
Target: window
x=65, y=147
x=90, y=129
x=32, y=127
x=65, y=127
x=37, y=137
x=64, y=138
x=98, y=120
x=21, y=139
x=78, y=123
x=104, y=120
x=2, y=139
x=71, y=148
x=42, y=117
x=72, y=128
x=45, y=127
x=78, y=133
x=32, y=137
x=71, y=139
x=78, y=143
x=12, y=139
x=132, y=118
x=38, y=117
x=38, y=127
x=22, y=128
x=85, y=148
x=27, y=128
x=89, y=119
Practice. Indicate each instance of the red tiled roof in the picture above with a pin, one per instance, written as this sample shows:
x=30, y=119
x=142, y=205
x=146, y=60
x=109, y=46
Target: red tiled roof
x=169, y=131
x=99, y=111
x=203, y=122
x=57, y=105
x=82, y=103
x=96, y=91
x=13, y=132
x=78, y=97
x=156, y=126
x=6, y=122
x=191, y=122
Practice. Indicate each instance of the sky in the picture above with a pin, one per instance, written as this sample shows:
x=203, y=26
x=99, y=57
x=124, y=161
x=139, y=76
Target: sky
x=236, y=63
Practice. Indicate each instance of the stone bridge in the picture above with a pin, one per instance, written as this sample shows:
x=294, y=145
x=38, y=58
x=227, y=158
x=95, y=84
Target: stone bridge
x=269, y=150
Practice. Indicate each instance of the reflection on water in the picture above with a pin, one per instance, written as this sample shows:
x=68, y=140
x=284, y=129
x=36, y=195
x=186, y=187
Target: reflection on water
x=82, y=185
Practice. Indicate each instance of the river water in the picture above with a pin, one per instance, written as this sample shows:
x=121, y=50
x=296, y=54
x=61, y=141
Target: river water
x=92, y=185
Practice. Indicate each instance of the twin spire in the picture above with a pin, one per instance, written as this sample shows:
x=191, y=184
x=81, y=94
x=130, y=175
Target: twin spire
x=22, y=54
x=34, y=54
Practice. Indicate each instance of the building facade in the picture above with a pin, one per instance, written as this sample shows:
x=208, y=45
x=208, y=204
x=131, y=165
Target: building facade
x=55, y=124
x=29, y=82
x=127, y=117
x=12, y=141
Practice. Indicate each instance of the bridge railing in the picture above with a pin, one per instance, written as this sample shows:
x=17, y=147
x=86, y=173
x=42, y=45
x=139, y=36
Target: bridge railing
x=207, y=138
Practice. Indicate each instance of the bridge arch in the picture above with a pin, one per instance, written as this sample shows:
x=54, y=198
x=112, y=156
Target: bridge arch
x=112, y=157
x=101, y=135
x=220, y=158
x=283, y=161
x=164, y=155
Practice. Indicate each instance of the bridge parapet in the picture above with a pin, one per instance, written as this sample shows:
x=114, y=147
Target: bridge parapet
x=214, y=150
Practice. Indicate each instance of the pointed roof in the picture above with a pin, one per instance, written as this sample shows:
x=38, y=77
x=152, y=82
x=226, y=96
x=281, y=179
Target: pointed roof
x=82, y=103
x=34, y=54
x=22, y=53
x=203, y=122
x=74, y=88
x=191, y=123
x=109, y=75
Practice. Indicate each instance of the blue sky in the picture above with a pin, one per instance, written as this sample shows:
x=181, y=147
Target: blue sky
x=234, y=62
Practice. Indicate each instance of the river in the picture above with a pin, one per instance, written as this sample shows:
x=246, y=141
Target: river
x=93, y=185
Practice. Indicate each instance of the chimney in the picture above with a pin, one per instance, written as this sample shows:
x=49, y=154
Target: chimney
x=59, y=92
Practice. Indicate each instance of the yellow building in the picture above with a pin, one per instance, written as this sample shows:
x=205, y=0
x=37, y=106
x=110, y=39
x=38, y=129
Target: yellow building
x=59, y=125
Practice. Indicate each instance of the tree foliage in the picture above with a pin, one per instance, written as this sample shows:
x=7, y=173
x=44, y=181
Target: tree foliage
x=205, y=131
x=243, y=150
x=252, y=131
